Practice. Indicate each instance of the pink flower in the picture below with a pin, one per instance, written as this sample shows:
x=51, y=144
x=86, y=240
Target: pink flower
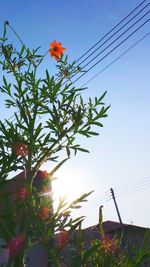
x=22, y=193
x=62, y=239
x=16, y=244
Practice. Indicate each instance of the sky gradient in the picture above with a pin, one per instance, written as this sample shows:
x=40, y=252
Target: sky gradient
x=120, y=155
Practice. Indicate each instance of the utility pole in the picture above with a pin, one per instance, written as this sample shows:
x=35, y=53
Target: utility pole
x=118, y=213
x=116, y=206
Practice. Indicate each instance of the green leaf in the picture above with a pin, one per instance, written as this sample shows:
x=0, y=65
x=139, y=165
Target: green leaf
x=68, y=151
x=83, y=133
x=101, y=221
x=78, y=219
x=5, y=81
x=80, y=199
x=102, y=96
x=90, y=252
x=93, y=133
x=4, y=33
x=75, y=207
x=62, y=203
x=10, y=103
x=22, y=50
x=56, y=89
x=97, y=123
x=76, y=225
x=83, y=149
x=4, y=230
x=58, y=166
x=47, y=138
x=37, y=131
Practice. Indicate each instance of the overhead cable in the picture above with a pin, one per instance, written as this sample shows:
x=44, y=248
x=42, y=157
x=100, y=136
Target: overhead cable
x=111, y=50
x=113, y=35
x=111, y=30
x=136, y=186
x=112, y=62
x=111, y=43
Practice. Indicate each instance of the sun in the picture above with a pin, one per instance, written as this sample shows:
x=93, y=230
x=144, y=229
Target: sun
x=68, y=184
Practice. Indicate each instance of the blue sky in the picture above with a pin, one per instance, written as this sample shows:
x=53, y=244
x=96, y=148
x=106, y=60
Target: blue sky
x=121, y=153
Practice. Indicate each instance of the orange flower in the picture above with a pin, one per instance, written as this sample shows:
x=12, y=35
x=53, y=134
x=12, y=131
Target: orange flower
x=42, y=174
x=43, y=213
x=56, y=50
x=16, y=244
x=20, y=149
x=62, y=239
x=109, y=244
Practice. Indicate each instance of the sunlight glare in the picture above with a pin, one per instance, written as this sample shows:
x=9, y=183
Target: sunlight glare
x=68, y=185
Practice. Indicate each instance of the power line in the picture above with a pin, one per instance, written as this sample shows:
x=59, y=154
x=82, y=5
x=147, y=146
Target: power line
x=106, y=197
x=132, y=189
x=111, y=30
x=101, y=198
x=99, y=202
x=117, y=57
x=116, y=39
x=106, y=41
x=114, y=34
x=139, y=181
x=111, y=50
x=111, y=44
x=131, y=47
x=117, y=46
x=86, y=71
x=138, y=189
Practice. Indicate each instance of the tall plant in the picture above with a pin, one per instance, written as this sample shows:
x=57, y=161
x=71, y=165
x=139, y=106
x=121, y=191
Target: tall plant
x=49, y=114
